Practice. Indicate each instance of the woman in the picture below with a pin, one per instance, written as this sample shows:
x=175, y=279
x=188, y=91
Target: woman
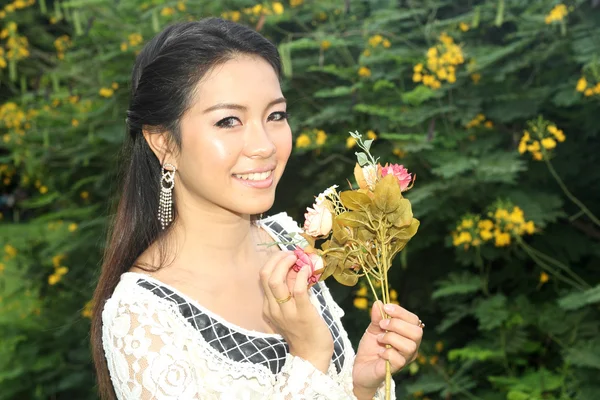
x=190, y=304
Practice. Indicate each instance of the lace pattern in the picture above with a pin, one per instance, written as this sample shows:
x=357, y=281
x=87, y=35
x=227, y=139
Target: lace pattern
x=159, y=345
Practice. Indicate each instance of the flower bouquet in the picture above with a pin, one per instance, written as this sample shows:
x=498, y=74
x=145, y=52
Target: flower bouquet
x=358, y=232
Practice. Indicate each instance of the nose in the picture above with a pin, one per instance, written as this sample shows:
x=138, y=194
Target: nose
x=259, y=142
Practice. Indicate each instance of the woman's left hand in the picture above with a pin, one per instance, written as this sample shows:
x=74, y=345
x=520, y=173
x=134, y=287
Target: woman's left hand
x=403, y=334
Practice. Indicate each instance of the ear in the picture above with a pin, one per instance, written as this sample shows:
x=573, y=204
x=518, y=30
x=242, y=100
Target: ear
x=159, y=143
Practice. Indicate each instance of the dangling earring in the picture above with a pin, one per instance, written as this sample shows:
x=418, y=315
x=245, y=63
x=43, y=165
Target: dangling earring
x=167, y=182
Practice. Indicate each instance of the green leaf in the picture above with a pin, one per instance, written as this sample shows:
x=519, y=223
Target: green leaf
x=577, y=300
x=458, y=284
x=491, y=312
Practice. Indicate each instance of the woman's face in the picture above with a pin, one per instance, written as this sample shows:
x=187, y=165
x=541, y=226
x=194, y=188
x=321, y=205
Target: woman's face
x=235, y=139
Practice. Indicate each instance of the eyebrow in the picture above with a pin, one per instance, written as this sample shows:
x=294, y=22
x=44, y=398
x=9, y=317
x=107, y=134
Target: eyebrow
x=232, y=106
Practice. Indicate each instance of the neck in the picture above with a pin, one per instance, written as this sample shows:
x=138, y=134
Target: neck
x=213, y=239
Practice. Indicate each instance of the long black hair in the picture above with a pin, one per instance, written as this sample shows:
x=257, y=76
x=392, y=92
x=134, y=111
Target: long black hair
x=163, y=82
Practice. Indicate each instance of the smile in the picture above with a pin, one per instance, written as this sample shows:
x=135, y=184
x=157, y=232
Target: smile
x=257, y=176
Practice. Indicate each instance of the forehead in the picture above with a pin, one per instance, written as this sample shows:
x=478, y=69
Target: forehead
x=240, y=79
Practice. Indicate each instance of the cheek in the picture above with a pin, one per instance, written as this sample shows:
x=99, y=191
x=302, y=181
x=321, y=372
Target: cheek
x=284, y=145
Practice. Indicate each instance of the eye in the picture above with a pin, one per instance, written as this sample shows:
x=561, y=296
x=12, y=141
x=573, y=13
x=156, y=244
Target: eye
x=278, y=116
x=228, y=122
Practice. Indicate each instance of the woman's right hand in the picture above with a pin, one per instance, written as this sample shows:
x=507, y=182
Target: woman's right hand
x=297, y=320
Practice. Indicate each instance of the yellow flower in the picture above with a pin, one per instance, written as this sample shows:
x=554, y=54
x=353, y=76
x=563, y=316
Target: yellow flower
x=418, y=68
x=2, y=267
x=485, y=235
x=257, y=9
x=534, y=146
x=57, y=259
x=60, y=271
x=361, y=303
x=181, y=6
x=84, y=195
x=362, y=292
x=386, y=43
x=489, y=124
x=106, y=92
x=559, y=135
x=371, y=135
x=74, y=122
x=375, y=40
x=296, y=3
x=501, y=213
x=115, y=85
x=502, y=238
x=558, y=13
x=597, y=88
x=364, y=71
x=321, y=137
x=325, y=44
x=432, y=52
x=548, y=143
x=544, y=277
x=476, y=77
x=581, y=84
x=529, y=227
x=303, y=141
x=417, y=77
x=277, y=8
x=522, y=146
x=466, y=223
x=350, y=142
x=87, y=309
x=72, y=227
x=588, y=92
x=399, y=152
x=439, y=346
x=463, y=26
x=167, y=11
x=10, y=250
x=537, y=155
x=433, y=360
x=485, y=224
x=44, y=190
x=53, y=279
x=367, y=53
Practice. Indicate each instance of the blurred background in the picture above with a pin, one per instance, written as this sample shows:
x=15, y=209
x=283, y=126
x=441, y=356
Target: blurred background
x=493, y=104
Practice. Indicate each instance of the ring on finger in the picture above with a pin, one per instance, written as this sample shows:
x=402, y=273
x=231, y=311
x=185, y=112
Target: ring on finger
x=421, y=324
x=281, y=301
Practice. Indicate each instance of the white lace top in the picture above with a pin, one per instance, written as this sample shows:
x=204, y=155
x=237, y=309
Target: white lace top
x=161, y=344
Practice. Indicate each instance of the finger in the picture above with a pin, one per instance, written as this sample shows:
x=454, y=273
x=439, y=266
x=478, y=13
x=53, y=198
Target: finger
x=266, y=271
x=376, y=318
x=395, y=311
x=397, y=361
x=406, y=347
x=300, y=292
x=278, y=280
x=403, y=328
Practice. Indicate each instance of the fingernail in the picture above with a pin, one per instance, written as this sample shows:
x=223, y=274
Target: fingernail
x=384, y=323
x=381, y=350
x=388, y=307
x=380, y=336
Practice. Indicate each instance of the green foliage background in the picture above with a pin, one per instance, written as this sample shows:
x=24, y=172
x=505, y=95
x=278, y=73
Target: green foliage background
x=494, y=329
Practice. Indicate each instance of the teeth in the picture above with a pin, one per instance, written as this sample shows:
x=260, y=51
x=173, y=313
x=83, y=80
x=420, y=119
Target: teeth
x=259, y=176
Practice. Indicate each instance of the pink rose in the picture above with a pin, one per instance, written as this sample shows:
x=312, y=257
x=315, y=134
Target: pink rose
x=399, y=172
x=318, y=220
x=312, y=260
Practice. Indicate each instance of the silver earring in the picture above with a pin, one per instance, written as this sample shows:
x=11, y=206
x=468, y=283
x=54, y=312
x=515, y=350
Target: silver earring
x=165, y=207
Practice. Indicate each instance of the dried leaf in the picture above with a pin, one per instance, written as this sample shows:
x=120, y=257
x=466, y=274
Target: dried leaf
x=387, y=194
x=355, y=201
x=353, y=219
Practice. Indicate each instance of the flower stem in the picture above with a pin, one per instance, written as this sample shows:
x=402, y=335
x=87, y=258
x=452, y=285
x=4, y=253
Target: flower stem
x=571, y=197
x=556, y=263
x=548, y=268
